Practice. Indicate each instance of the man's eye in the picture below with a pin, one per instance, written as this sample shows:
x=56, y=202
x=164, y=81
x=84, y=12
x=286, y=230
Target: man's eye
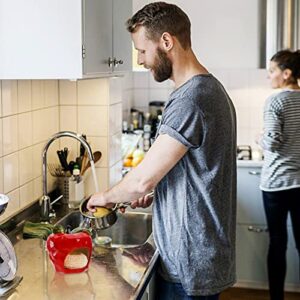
x=142, y=51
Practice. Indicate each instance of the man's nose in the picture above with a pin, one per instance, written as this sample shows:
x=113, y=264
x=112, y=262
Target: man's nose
x=140, y=61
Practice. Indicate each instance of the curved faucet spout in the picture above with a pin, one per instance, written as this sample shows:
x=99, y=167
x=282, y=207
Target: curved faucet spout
x=45, y=200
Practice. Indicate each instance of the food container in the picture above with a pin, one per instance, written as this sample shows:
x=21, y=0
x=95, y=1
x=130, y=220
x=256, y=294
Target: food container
x=70, y=253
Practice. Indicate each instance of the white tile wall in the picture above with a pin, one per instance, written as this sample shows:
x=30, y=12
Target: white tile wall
x=1, y=176
x=0, y=99
x=10, y=172
x=93, y=120
x=31, y=111
x=25, y=165
x=127, y=94
x=103, y=180
x=93, y=92
x=101, y=144
x=10, y=134
x=248, y=89
x=115, y=118
x=115, y=174
x=25, y=130
x=24, y=96
x=9, y=97
x=38, y=94
x=29, y=115
x=26, y=194
x=98, y=105
x=67, y=92
x=37, y=160
x=51, y=93
x=1, y=138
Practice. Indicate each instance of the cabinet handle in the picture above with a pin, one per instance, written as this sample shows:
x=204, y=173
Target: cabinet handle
x=257, y=229
x=254, y=173
x=111, y=62
x=118, y=62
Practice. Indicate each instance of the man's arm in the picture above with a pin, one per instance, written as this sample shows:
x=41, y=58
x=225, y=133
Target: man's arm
x=159, y=160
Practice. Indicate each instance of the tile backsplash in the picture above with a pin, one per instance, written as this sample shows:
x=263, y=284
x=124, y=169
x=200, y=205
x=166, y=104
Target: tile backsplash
x=33, y=110
x=248, y=89
x=29, y=115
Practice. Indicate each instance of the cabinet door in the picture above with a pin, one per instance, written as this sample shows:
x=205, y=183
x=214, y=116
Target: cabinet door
x=40, y=39
x=122, y=45
x=249, y=197
x=97, y=36
x=251, y=257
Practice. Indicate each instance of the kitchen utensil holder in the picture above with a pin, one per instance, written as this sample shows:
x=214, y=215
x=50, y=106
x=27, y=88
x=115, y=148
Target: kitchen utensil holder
x=63, y=186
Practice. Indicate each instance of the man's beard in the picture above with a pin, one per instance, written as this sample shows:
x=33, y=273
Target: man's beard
x=162, y=66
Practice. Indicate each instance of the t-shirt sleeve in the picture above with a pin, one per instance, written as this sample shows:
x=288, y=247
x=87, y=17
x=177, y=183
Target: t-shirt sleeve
x=272, y=137
x=183, y=122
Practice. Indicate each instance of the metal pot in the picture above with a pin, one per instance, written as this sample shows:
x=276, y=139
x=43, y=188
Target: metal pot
x=102, y=222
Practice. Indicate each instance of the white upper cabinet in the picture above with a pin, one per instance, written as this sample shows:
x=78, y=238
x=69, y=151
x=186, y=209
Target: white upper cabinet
x=63, y=39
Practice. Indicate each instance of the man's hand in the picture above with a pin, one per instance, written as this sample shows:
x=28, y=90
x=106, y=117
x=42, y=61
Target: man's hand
x=143, y=202
x=98, y=200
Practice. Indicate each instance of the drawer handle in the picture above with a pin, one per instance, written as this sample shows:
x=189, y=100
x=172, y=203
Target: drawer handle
x=257, y=229
x=254, y=173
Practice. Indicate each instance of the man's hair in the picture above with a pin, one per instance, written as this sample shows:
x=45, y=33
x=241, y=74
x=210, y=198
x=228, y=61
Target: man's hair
x=160, y=17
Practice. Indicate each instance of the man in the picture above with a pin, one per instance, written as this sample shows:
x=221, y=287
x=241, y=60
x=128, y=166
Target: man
x=191, y=165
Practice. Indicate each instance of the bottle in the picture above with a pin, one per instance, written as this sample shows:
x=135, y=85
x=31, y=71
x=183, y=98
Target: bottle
x=76, y=188
x=147, y=136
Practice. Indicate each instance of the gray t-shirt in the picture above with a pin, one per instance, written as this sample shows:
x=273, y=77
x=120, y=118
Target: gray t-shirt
x=194, y=212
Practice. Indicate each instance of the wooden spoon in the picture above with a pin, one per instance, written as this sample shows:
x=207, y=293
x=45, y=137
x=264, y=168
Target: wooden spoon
x=97, y=155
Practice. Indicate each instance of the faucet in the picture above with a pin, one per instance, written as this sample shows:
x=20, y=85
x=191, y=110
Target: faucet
x=45, y=204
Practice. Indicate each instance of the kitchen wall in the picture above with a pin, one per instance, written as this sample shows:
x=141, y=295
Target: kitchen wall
x=226, y=38
x=29, y=114
x=248, y=89
x=32, y=111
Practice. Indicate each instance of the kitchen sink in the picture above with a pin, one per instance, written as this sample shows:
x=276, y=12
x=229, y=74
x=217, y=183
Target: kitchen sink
x=130, y=230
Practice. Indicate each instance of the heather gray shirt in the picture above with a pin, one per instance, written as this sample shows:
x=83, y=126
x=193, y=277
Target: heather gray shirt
x=194, y=211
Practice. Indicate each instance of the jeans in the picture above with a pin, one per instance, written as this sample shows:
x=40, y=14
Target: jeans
x=277, y=206
x=166, y=290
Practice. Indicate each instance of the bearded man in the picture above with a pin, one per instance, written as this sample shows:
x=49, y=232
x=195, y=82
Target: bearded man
x=191, y=165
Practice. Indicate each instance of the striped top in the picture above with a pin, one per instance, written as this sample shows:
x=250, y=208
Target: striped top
x=281, y=142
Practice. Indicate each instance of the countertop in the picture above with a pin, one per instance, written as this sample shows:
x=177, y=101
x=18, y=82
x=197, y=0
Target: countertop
x=113, y=273
x=249, y=163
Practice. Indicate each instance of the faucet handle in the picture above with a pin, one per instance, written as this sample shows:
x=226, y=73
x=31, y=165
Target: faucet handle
x=52, y=214
x=45, y=208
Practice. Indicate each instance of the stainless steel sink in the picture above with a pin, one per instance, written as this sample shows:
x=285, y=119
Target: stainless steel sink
x=130, y=230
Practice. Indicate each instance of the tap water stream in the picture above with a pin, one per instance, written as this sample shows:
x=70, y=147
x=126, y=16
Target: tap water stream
x=94, y=176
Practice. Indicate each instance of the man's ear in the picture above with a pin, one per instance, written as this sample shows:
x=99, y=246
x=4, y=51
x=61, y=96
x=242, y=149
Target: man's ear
x=167, y=41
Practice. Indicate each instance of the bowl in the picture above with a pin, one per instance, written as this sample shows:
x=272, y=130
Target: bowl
x=3, y=203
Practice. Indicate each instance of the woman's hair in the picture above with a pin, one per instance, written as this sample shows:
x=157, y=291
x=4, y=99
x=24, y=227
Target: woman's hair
x=287, y=59
x=160, y=17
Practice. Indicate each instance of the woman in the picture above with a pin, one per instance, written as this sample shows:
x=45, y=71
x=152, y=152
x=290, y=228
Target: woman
x=280, y=180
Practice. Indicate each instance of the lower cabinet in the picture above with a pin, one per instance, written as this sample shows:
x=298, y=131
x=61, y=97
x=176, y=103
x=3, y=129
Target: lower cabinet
x=252, y=239
x=251, y=254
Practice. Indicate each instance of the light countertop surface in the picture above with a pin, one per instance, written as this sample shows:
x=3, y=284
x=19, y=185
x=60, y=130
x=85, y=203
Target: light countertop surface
x=250, y=163
x=112, y=274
